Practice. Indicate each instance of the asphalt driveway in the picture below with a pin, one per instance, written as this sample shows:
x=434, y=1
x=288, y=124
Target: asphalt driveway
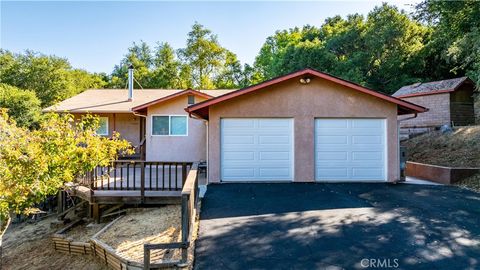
x=338, y=226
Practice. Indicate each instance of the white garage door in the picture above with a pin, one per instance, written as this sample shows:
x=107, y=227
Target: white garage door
x=350, y=150
x=256, y=149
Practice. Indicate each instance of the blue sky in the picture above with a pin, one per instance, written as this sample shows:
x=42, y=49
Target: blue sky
x=94, y=35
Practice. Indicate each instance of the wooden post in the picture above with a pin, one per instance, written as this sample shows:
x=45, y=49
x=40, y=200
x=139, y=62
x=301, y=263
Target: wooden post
x=60, y=202
x=142, y=182
x=146, y=258
x=185, y=226
x=184, y=173
x=96, y=212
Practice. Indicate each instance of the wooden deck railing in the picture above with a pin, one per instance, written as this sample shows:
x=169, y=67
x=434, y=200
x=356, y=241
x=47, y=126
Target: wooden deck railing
x=138, y=175
x=189, y=212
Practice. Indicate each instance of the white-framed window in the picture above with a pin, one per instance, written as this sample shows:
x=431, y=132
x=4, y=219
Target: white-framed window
x=102, y=126
x=169, y=125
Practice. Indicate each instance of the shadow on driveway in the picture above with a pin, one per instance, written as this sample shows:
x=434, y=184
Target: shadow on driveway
x=338, y=226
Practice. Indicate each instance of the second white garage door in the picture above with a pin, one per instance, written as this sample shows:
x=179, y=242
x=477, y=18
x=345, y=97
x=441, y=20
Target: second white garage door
x=350, y=150
x=256, y=149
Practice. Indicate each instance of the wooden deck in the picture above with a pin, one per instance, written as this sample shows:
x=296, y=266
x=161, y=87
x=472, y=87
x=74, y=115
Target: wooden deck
x=134, y=182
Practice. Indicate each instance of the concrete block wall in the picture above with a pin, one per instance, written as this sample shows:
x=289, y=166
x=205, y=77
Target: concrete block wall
x=438, y=114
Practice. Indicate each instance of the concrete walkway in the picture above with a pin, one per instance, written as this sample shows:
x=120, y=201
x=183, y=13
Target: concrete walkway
x=338, y=226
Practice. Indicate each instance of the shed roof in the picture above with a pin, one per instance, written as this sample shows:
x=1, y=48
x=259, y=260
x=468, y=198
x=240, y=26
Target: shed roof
x=116, y=100
x=430, y=88
x=404, y=107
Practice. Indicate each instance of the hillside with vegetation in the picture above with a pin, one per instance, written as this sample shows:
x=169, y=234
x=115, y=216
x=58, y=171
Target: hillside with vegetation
x=459, y=148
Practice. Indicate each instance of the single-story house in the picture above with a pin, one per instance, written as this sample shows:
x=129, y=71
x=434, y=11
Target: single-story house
x=450, y=102
x=152, y=120
x=305, y=126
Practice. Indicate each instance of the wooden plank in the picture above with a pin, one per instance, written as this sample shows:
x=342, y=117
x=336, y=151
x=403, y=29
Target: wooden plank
x=94, y=237
x=166, y=245
x=69, y=226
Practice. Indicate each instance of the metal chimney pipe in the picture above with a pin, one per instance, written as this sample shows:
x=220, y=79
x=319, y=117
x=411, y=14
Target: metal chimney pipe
x=130, y=83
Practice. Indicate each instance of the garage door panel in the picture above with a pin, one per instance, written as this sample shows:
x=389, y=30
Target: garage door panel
x=366, y=123
x=273, y=123
x=245, y=139
x=366, y=173
x=333, y=173
x=332, y=139
x=241, y=172
x=281, y=173
x=333, y=123
x=285, y=155
x=370, y=155
x=270, y=152
x=367, y=139
x=359, y=156
x=331, y=155
x=239, y=155
x=239, y=123
x=272, y=139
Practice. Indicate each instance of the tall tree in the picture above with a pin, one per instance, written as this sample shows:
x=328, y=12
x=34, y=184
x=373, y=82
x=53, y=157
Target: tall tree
x=454, y=46
x=140, y=56
x=230, y=73
x=204, y=55
x=166, y=73
x=393, y=42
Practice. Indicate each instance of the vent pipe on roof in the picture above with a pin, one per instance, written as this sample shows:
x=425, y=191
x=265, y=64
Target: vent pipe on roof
x=130, y=83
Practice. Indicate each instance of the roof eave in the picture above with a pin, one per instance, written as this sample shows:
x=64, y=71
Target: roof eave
x=174, y=95
x=427, y=93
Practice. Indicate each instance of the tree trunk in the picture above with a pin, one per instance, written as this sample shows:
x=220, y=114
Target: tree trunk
x=2, y=232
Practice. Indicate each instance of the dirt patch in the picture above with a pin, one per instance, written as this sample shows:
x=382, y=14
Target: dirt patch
x=460, y=148
x=83, y=232
x=146, y=225
x=28, y=246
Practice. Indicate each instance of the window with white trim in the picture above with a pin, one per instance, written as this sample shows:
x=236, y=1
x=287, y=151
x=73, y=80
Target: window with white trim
x=169, y=125
x=102, y=126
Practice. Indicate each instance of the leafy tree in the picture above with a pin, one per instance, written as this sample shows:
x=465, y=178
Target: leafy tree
x=393, y=42
x=166, y=73
x=35, y=164
x=268, y=61
x=204, y=55
x=381, y=51
x=230, y=74
x=140, y=56
x=203, y=63
x=22, y=105
x=50, y=77
x=454, y=47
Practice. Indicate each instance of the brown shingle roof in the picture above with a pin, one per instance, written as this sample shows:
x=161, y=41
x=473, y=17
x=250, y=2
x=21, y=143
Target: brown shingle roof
x=116, y=100
x=418, y=89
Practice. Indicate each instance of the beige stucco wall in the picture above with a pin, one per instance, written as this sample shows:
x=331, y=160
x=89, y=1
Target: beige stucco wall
x=438, y=111
x=304, y=103
x=127, y=124
x=176, y=148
